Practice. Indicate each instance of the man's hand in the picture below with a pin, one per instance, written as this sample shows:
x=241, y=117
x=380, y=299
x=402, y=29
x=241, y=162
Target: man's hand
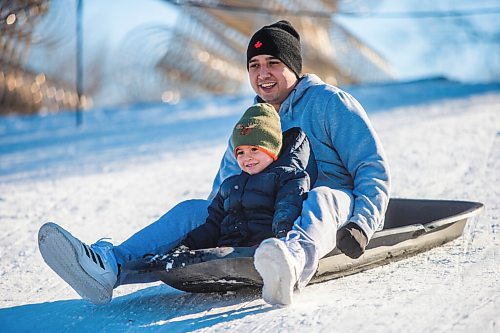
x=351, y=240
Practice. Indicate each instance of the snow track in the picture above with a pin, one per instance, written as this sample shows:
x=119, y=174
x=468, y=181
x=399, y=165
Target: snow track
x=447, y=148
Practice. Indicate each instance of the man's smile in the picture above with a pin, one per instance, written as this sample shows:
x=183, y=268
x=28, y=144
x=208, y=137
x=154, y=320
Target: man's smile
x=267, y=85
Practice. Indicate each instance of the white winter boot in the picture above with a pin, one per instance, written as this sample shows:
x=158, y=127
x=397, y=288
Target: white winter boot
x=90, y=270
x=280, y=264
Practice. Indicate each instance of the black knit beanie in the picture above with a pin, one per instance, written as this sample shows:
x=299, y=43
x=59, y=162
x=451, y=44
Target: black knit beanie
x=279, y=40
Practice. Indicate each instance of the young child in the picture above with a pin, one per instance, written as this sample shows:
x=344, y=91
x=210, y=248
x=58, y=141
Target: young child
x=263, y=201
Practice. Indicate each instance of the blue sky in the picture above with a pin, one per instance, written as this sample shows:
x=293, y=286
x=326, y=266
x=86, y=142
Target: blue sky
x=465, y=48
x=116, y=18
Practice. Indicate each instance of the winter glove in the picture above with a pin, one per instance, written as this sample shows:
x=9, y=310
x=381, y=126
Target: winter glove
x=181, y=256
x=281, y=229
x=281, y=234
x=351, y=240
x=155, y=260
x=180, y=248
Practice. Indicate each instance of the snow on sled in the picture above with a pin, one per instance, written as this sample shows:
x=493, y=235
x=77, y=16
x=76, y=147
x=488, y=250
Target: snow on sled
x=411, y=226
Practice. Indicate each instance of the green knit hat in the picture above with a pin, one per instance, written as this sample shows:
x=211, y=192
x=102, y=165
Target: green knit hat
x=259, y=126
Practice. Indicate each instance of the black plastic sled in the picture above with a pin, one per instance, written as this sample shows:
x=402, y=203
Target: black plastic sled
x=411, y=226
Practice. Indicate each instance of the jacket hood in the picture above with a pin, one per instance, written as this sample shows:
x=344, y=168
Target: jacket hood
x=296, y=152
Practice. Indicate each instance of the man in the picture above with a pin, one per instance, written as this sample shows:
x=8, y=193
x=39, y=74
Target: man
x=344, y=209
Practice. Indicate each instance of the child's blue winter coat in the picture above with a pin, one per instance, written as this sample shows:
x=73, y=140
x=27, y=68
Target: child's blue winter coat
x=250, y=208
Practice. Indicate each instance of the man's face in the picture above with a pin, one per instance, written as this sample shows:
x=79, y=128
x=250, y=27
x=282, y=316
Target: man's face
x=271, y=79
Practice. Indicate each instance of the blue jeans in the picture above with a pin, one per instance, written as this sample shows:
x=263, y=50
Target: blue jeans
x=160, y=237
x=324, y=211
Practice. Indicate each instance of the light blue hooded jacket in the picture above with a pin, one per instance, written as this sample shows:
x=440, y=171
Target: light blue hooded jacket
x=348, y=153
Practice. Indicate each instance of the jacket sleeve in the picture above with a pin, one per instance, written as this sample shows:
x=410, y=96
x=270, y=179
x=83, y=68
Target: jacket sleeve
x=361, y=152
x=207, y=234
x=228, y=167
x=293, y=188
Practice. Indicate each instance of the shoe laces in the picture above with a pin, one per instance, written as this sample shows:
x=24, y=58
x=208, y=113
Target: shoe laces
x=298, y=238
x=292, y=242
x=292, y=236
x=97, y=252
x=92, y=254
x=303, y=248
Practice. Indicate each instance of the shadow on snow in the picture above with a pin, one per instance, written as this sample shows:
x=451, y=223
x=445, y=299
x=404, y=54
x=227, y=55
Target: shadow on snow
x=158, y=308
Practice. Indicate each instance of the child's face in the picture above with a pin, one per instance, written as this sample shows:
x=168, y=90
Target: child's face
x=252, y=160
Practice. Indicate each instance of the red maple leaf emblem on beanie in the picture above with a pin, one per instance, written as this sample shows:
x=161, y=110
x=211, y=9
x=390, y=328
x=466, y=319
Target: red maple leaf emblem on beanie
x=258, y=44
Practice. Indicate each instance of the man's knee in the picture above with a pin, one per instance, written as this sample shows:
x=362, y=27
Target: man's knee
x=192, y=206
x=192, y=203
x=338, y=202
x=322, y=194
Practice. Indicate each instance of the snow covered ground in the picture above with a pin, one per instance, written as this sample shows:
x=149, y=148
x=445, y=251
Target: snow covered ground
x=124, y=168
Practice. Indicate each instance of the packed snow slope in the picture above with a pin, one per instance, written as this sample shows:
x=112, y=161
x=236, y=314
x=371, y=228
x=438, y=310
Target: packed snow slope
x=124, y=168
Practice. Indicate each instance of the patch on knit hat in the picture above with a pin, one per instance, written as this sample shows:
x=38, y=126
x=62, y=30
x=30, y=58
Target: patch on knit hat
x=245, y=129
x=279, y=40
x=259, y=126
